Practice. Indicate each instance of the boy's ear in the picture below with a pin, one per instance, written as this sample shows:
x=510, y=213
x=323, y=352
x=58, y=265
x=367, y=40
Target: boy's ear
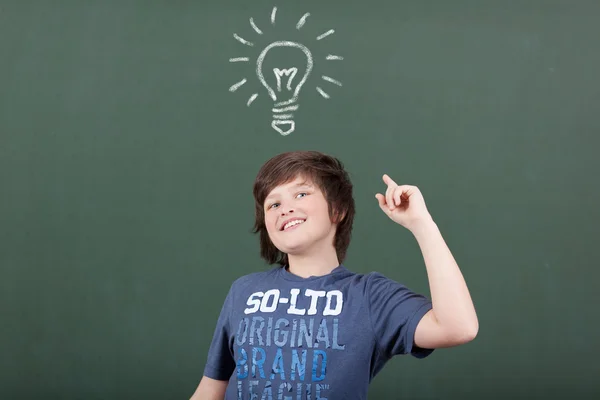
x=339, y=216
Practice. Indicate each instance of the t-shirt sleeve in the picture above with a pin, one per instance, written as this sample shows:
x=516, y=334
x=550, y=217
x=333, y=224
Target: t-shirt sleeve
x=220, y=361
x=395, y=312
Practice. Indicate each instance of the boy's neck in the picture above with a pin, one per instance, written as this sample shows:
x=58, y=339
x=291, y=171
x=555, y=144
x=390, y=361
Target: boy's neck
x=316, y=265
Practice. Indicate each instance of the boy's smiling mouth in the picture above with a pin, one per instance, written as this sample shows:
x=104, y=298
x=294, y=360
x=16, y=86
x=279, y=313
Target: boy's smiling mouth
x=291, y=223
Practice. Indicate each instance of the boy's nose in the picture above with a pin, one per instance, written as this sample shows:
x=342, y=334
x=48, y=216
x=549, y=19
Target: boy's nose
x=286, y=210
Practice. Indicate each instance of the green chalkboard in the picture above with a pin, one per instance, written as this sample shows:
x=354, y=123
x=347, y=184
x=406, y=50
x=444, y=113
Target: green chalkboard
x=128, y=152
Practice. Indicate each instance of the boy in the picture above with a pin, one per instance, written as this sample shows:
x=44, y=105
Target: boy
x=309, y=328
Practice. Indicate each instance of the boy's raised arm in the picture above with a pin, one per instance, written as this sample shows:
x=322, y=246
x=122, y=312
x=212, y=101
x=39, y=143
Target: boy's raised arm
x=453, y=320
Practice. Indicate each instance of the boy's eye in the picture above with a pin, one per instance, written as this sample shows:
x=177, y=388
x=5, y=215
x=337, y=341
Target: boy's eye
x=274, y=205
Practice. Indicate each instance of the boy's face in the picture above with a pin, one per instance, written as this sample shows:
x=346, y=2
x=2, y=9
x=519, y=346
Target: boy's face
x=297, y=218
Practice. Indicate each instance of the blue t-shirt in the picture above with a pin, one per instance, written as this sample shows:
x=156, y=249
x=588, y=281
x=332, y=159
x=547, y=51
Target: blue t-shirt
x=283, y=337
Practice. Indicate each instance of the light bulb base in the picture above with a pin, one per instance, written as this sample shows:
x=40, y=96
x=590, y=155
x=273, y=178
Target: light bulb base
x=283, y=118
x=283, y=126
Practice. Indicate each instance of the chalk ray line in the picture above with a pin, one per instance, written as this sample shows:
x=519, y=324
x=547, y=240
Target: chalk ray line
x=273, y=15
x=237, y=85
x=328, y=79
x=255, y=27
x=322, y=93
x=252, y=98
x=302, y=21
x=324, y=35
x=242, y=40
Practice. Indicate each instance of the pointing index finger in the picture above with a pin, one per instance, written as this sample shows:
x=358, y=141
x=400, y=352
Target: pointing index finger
x=388, y=181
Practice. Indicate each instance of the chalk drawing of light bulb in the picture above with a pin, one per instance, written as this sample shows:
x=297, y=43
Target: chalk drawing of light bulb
x=282, y=116
x=283, y=84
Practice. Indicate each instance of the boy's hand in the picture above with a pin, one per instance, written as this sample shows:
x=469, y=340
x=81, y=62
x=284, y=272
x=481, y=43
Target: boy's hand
x=403, y=204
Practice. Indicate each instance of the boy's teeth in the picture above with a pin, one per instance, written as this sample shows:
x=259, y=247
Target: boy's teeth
x=290, y=224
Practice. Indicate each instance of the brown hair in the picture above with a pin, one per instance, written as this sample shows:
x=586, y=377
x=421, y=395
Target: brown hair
x=328, y=174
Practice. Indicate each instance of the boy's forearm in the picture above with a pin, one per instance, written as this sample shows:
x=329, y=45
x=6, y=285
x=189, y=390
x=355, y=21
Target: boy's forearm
x=452, y=304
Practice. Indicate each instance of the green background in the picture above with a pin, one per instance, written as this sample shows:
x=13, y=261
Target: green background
x=126, y=169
